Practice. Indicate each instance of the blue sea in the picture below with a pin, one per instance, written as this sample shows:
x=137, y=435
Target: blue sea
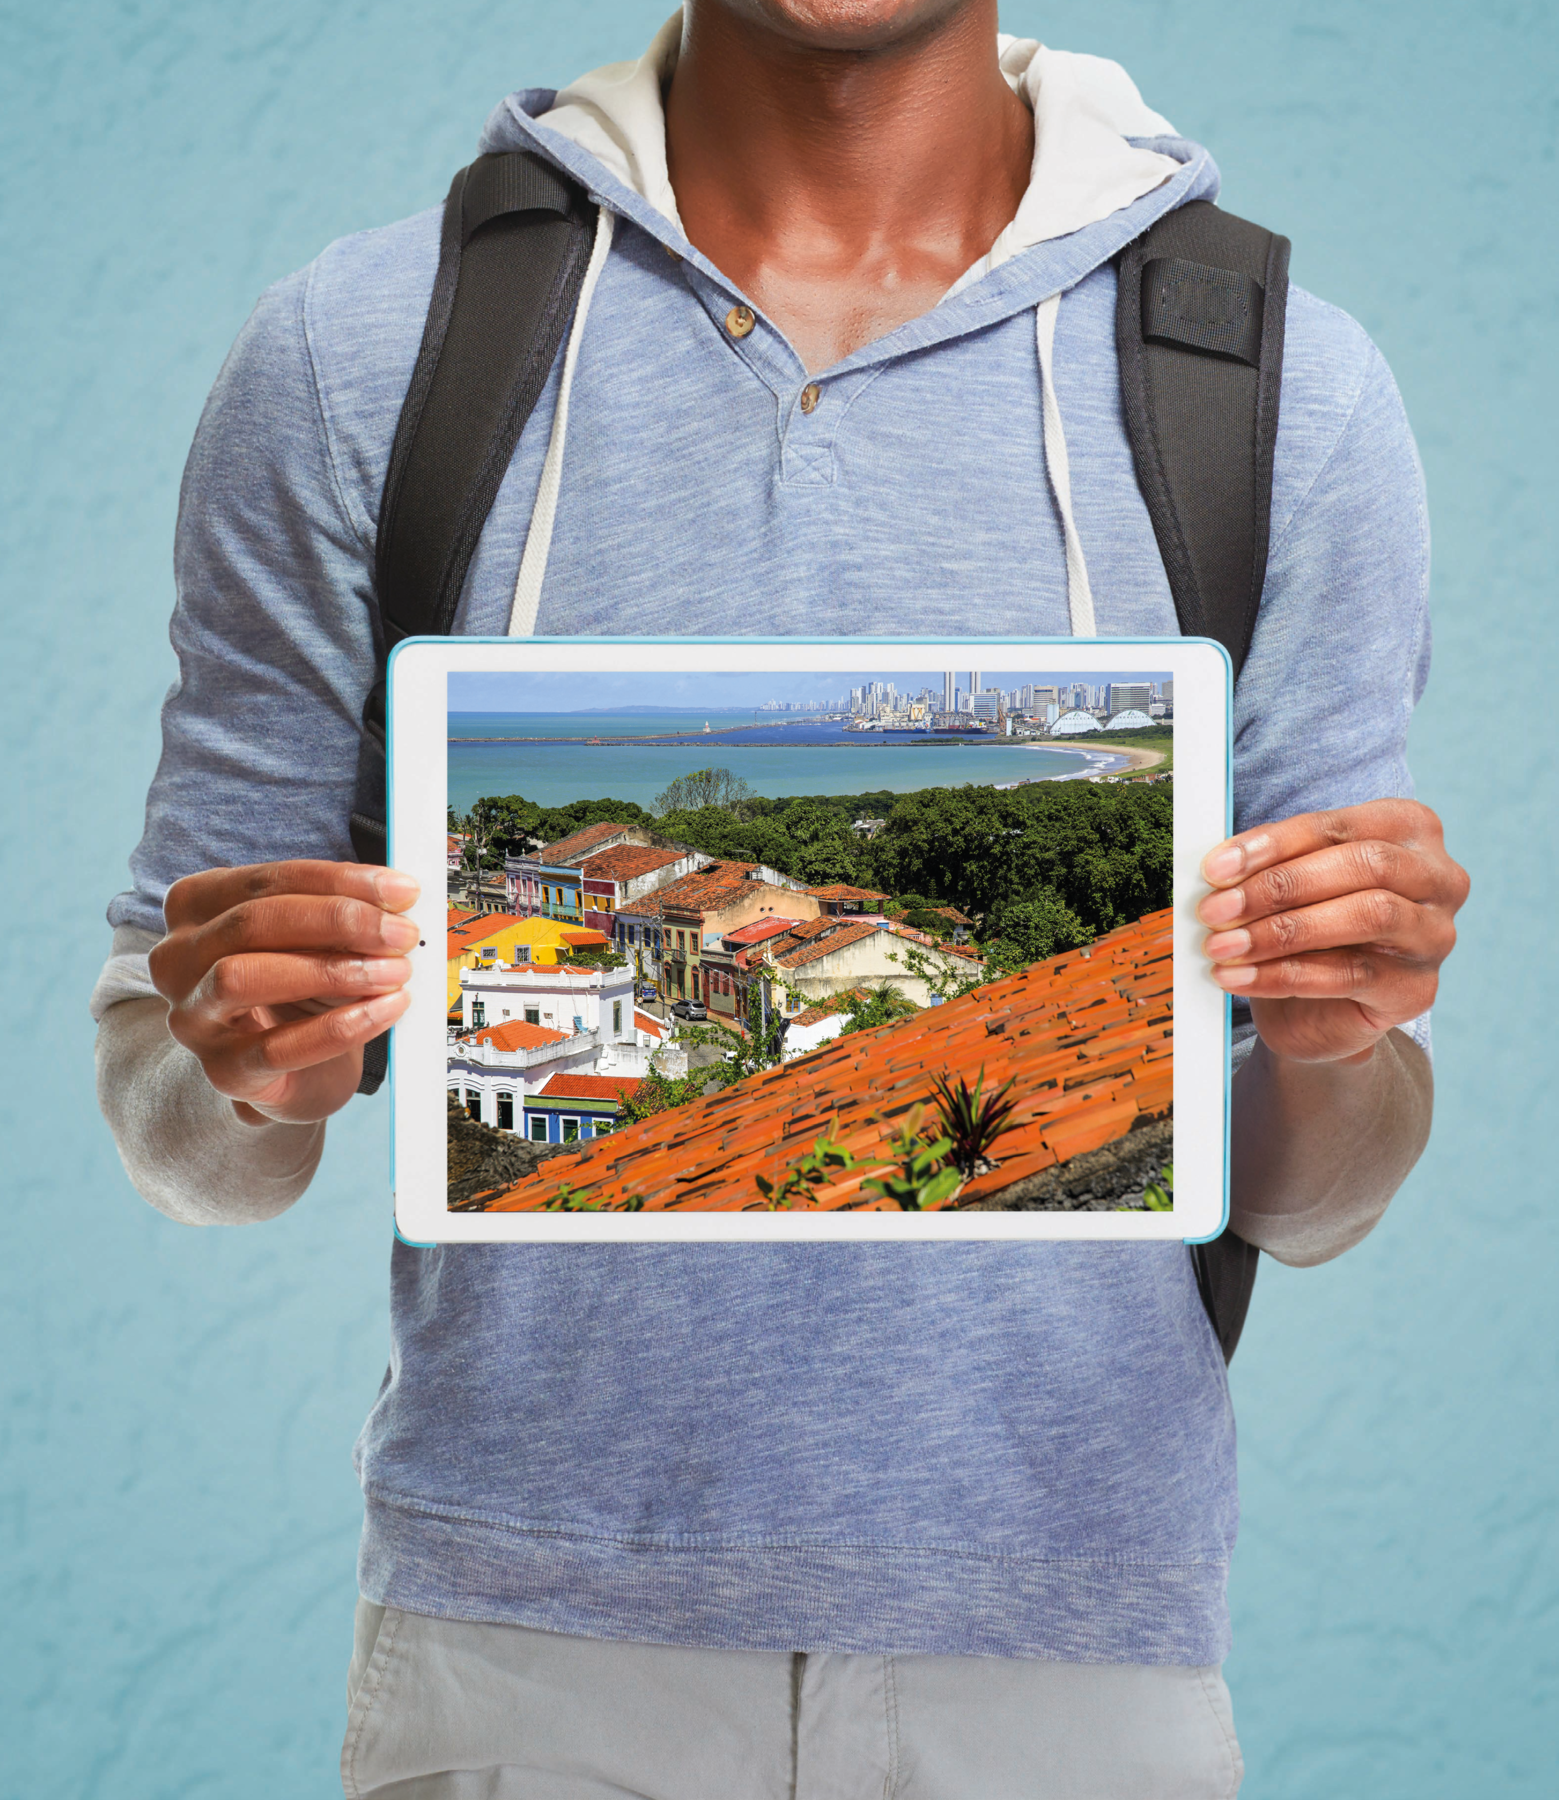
x=774, y=758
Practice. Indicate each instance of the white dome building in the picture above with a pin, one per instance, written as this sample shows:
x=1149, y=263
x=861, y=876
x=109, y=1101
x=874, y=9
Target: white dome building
x=1074, y=724
x=1132, y=719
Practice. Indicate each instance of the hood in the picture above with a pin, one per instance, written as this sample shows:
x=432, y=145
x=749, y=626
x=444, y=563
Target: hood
x=1086, y=111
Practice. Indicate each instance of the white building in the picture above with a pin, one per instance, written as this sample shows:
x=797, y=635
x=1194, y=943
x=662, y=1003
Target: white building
x=521, y=1025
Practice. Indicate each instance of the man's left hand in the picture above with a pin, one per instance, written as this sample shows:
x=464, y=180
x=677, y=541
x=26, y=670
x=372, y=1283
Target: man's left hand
x=1333, y=924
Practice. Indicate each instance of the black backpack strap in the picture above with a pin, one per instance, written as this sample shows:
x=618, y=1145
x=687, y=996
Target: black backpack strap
x=1199, y=329
x=512, y=255
x=1199, y=323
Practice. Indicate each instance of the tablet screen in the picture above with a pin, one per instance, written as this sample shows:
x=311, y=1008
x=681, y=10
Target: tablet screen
x=844, y=938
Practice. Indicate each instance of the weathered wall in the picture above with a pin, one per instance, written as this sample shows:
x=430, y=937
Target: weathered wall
x=179, y=1511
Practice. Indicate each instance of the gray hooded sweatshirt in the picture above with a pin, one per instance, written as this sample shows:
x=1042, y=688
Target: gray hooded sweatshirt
x=992, y=1448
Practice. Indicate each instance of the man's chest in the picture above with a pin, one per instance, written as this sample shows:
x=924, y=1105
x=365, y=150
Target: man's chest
x=710, y=486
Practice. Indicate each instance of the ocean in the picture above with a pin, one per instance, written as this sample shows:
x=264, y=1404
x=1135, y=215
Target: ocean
x=773, y=758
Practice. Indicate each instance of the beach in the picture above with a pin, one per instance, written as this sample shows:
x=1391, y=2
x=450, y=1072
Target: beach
x=1132, y=757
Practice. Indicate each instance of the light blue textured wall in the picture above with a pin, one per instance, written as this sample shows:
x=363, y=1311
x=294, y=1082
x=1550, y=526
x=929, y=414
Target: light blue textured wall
x=178, y=1514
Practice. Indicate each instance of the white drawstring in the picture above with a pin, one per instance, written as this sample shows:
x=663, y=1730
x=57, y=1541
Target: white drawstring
x=1079, y=596
x=538, y=540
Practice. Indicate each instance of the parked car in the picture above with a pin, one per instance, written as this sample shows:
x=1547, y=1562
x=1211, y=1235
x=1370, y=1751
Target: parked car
x=690, y=1009
x=647, y=991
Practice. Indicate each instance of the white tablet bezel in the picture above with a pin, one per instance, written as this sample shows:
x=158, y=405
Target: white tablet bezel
x=417, y=750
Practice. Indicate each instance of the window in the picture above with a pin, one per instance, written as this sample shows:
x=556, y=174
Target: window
x=478, y=1014
x=617, y=1018
x=571, y=1131
x=604, y=1126
x=474, y=1104
x=695, y=984
x=506, y=1112
x=536, y=1127
x=533, y=1015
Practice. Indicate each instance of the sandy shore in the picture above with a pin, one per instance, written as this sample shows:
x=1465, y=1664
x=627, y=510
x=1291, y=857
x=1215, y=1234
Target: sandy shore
x=1131, y=757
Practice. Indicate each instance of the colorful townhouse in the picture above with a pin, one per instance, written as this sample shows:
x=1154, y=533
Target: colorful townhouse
x=700, y=909
x=539, y=883
x=478, y=940
x=616, y=878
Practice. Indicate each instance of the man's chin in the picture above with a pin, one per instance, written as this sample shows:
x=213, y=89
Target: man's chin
x=860, y=25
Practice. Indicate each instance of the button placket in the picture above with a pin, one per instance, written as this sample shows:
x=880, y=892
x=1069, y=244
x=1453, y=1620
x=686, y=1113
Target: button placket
x=807, y=434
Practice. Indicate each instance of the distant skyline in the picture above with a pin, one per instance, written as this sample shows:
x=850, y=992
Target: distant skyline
x=588, y=691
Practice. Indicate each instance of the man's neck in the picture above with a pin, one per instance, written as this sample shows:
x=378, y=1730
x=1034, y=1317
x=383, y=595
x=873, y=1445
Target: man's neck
x=844, y=190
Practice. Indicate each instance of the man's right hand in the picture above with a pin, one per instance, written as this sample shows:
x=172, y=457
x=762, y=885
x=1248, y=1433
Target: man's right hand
x=277, y=974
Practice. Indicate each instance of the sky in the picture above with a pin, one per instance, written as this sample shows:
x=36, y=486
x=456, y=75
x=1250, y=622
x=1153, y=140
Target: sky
x=594, y=691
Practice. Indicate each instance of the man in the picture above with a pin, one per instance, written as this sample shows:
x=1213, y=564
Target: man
x=801, y=1519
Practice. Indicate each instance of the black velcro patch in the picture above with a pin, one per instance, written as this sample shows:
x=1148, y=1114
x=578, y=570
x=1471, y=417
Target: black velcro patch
x=1217, y=311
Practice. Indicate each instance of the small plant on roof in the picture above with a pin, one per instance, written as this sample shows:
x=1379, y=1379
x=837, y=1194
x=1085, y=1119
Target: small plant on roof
x=1159, y=1196
x=825, y=1162
x=923, y=1178
x=571, y=1199
x=973, y=1119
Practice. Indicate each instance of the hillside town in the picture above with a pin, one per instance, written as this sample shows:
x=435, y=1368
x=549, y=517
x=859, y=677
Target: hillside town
x=1070, y=1062
x=560, y=1002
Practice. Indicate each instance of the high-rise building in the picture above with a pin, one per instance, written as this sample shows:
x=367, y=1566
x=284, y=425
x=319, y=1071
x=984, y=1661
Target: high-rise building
x=974, y=681
x=1167, y=692
x=1124, y=695
x=949, y=692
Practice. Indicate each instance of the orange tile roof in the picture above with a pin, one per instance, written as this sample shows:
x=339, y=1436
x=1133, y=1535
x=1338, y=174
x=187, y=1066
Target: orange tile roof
x=823, y=944
x=591, y=1087
x=582, y=937
x=517, y=1035
x=478, y=929
x=825, y=1009
x=707, y=889
x=645, y=1022
x=950, y=913
x=624, y=861
x=841, y=890
x=1088, y=1035
x=760, y=929
x=580, y=842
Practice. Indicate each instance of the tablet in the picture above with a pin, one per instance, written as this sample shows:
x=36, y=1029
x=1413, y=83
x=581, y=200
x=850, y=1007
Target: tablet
x=749, y=938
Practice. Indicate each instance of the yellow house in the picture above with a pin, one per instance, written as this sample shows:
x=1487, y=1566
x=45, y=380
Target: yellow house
x=476, y=942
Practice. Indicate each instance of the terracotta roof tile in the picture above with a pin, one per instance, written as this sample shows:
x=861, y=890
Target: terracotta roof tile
x=841, y=890
x=1088, y=1036
x=624, y=861
x=517, y=1035
x=581, y=842
x=819, y=944
x=591, y=1087
x=760, y=929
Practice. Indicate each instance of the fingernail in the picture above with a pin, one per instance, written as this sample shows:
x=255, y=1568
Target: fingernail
x=398, y=932
x=1227, y=946
x=396, y=890
x=1223, y=864
x=385, y=971
x=1223, y=907
x=1239, y=975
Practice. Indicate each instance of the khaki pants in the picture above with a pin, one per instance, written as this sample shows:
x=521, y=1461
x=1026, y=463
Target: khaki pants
x=441, y=1710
